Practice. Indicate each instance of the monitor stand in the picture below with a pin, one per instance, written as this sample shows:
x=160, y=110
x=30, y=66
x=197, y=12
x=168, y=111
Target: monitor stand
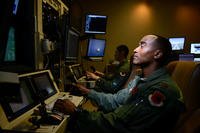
x=95, y=58
x=45, y=118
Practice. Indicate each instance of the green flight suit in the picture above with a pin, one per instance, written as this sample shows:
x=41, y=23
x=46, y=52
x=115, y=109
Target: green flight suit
x=114, y=81
x=153, y=105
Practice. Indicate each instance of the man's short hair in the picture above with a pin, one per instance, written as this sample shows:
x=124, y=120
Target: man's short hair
x=123, y=48
x=165, y=46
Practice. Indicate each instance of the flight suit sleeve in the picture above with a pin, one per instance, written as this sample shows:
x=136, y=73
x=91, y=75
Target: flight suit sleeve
x=100, y=122
x=130, y=117
x=114, y=85
x=107, y=101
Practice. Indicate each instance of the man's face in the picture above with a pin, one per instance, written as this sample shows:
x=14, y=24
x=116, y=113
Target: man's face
x=145, y=52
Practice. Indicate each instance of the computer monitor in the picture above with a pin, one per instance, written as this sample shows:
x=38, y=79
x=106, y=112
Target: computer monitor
x=95, y=24
x=177, y=43
x=186, y=57
x=15, y=6
x=15, y=109
x=34, y=87
x=72, y=46
x=43, y=85
x=10, y=47
x=77, y=71
x=17, y=52
x=10, y=51
x=197, y=59
x=195, y=48
x=96, y=48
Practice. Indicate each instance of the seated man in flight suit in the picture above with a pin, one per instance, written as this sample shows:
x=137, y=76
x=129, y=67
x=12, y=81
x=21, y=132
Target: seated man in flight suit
x=117, y=76
x=151, y=102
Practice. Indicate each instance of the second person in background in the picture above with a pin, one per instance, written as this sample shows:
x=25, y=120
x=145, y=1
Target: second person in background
x=116, y=74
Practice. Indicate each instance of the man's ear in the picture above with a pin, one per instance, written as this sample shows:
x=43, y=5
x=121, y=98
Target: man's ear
x=158, y=54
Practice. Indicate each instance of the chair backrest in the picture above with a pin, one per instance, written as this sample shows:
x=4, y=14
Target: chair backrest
x=187, y=76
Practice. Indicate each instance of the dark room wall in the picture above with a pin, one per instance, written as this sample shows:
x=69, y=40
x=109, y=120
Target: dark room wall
x=129, y=20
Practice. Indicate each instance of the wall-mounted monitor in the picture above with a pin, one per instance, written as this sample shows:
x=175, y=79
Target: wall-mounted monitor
x=195, y=48
x=72, y=46
x=95, y=24
x=17, y=48
x=177, y=43
x=96, y=48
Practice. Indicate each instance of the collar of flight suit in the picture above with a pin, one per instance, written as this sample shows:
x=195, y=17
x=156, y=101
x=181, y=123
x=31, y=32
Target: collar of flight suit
x=156, y=74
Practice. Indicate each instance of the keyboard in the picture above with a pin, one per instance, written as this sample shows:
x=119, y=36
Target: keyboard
x=77, y=100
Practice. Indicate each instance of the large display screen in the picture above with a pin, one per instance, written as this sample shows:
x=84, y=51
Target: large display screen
x=95, y=24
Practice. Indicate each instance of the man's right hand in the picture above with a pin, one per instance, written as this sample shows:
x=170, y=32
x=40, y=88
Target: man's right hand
x=99, y=73
x=92, y=75
x=65, y=106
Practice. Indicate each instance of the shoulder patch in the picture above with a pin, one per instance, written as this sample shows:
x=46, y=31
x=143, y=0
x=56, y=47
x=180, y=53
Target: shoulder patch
x=156, y=99
x=122, y=74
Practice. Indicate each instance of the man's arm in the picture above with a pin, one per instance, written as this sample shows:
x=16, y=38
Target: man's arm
x=108, y=102
x=113, y=85
x=138, y=115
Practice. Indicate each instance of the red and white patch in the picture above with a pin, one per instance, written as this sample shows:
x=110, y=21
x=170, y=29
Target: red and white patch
x=157, y=99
